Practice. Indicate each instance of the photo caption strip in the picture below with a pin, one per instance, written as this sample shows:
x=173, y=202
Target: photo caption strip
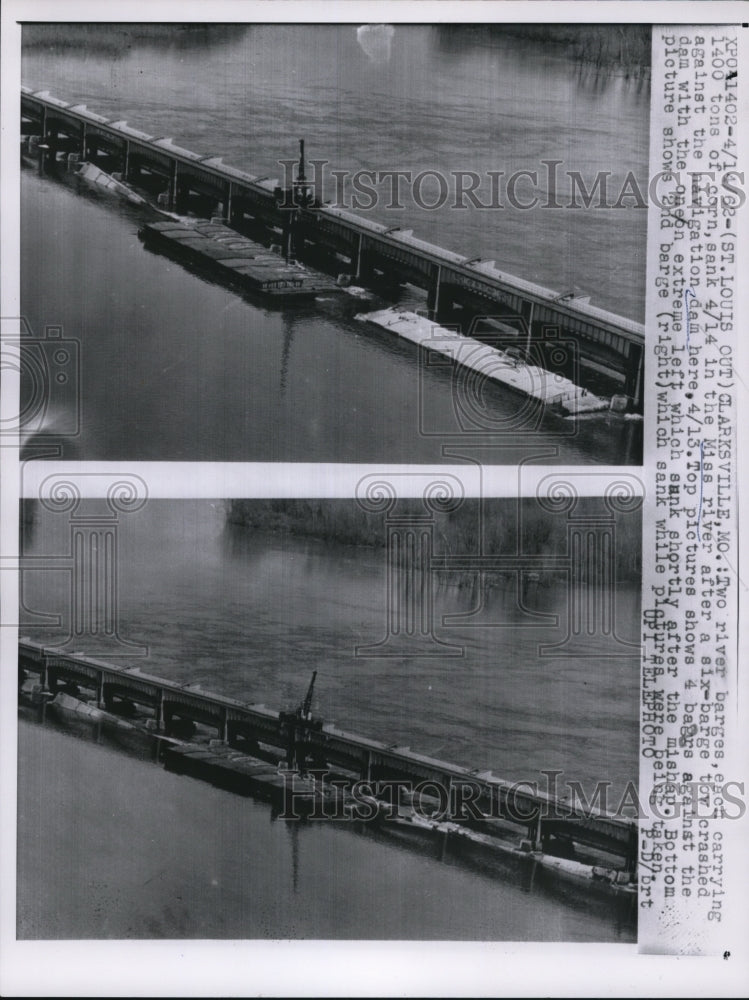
x=690, y=568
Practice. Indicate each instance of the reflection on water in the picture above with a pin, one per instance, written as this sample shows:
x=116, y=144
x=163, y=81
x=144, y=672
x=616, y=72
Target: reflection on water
x=185, y=369
x=226, y=870
x=499, y=107
x=251, y=614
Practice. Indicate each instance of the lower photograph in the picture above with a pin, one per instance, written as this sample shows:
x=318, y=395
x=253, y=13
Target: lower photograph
x=372, y=718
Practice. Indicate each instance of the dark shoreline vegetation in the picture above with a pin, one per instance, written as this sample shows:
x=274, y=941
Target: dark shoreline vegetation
x=117, y=38
x=489, y=526
x=612, y=46
x=623, y=46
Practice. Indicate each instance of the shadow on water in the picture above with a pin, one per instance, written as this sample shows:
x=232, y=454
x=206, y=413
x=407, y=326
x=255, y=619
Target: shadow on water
x=510, y=874
x=352, y=399
x=596, y=78
x=249, y=612
x=288, y=339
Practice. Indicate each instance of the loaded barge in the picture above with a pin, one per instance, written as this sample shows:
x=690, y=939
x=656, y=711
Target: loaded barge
x=458, y=287
x=506, y=367
x=235, y=259
x=307, y=768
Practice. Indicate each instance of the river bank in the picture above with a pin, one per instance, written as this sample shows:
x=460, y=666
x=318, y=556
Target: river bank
x=613, y=45
x=489, y=526
x=250, y=614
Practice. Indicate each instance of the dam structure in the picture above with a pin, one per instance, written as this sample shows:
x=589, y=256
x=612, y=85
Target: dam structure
x=459, y=289
x=544, y=821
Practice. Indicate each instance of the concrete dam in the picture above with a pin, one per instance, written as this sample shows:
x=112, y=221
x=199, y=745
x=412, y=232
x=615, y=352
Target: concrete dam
x=459, y=289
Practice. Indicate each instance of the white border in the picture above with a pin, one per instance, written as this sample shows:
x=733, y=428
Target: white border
x=395, y=11
x=198, y=968
x=318, y=481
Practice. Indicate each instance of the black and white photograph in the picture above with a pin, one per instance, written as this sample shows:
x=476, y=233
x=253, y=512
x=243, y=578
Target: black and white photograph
x=336, y=243
x=373, y=718
x=372, y=384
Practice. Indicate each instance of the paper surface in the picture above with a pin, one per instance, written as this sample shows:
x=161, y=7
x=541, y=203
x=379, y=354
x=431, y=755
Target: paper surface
x=391, y=476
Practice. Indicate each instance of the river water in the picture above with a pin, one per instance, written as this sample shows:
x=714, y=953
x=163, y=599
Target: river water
x=173, y=367
x=250, y=614
x=224, y=869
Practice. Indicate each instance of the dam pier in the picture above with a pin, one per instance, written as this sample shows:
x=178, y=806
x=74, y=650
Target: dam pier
x=205, y=726
x=459, y=289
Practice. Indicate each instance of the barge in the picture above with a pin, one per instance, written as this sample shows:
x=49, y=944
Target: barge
x=315, y=799
x=307, y=768
x=507, y=368
x=235, y=259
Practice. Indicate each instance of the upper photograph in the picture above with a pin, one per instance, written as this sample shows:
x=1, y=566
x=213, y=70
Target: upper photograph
x=404, y=243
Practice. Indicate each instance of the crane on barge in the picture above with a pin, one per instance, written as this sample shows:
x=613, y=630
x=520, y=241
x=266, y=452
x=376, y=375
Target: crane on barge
x=296, y=725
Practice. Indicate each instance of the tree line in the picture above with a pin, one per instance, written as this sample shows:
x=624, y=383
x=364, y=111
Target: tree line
x=492, y=526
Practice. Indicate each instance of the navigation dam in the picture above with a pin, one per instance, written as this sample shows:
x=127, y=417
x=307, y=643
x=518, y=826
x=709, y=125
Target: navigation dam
x=459, y=289
x=544, y=823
